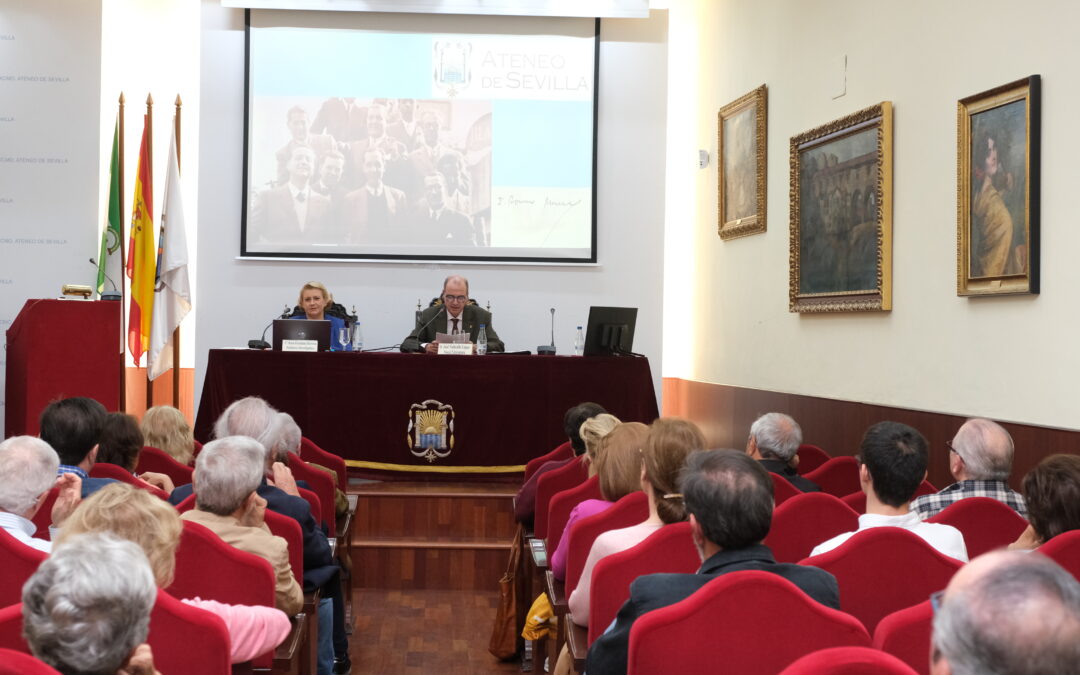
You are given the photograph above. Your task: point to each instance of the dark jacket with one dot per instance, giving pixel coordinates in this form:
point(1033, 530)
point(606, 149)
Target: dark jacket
point(784, 469)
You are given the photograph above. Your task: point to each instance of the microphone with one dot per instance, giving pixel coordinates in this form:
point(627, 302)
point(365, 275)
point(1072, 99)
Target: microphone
point(416, 333)
point(262, 343)
point(107, 295)
point(549, 350)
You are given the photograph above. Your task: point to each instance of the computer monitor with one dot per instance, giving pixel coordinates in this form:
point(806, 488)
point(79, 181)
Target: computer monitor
point(610, 331)
point(302, 329)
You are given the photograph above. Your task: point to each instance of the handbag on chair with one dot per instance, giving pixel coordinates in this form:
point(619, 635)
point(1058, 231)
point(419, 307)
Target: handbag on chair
point(504, 634)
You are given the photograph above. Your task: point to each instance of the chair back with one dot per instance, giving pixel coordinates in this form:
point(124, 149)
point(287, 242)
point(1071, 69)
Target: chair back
point(187, 504)
point(849, 661)
point(810, 458)
point(159, 461)
point(806, 520)
point(563, 503)
point(1064, 549)
point(322, 484)
point(11, 635)
point(289, 530)
point(857, 500)
point(985, 523)
point(186, 639)
point(196, 448)
point(906, 635)
point(884, 569)
point(315, 504)
point(564, 451)
point(43, 518)
point(17, 563)
point(669, 639)
point(18, 663)
point(630, 510)
point(669, 549)
point(839, 476)
point(106, 470)
point(551, 484)
point(310, 452)
point(783, 490)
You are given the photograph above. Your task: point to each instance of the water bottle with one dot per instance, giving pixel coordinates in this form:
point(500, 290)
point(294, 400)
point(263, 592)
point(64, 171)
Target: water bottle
point(357, 338)
point(481, 341)
point(579, 343)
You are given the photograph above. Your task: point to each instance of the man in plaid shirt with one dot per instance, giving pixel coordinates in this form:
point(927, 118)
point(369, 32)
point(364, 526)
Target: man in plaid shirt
point(980, 459)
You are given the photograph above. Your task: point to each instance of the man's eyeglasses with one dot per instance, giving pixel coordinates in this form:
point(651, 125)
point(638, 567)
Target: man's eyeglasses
point(949, 445)
point(455, 298)
point(935, 600)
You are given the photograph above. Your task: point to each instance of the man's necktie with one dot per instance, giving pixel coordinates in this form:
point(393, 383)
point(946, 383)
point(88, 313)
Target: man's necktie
point(300, 197)
point(455, 325)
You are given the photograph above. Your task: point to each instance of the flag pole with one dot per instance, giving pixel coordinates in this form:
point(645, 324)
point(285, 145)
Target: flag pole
point(176, 331)
point(149, 402)
point(123, 245)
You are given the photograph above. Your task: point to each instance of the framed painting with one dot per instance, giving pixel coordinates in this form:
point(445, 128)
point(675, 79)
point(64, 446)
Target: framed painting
point(741, 147)
point(997, 190)
point(841, 215)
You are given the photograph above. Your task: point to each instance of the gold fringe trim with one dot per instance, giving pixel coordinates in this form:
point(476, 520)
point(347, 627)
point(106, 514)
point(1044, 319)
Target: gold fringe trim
point(434, 469)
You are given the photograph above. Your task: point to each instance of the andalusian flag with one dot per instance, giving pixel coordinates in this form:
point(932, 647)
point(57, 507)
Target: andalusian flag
point(109, 257)
point(142, 253)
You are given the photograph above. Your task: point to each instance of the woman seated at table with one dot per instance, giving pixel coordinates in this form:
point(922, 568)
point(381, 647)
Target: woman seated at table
point(314, 299)
point(165, 428)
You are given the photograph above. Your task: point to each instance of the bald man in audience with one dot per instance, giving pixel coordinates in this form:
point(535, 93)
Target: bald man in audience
point(27, 473)
point(980, 459)
point(774, 441)
point(1007, 613)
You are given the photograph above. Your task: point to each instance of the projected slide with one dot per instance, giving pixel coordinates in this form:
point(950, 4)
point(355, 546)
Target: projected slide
point(406, 144)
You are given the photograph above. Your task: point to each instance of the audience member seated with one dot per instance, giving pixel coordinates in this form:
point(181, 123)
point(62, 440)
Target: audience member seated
point(120, 444)
point(1007, 613)
point(525, 502)
point(618, 467)
point(87, 608)
point(227, 473)
point(892, 464)
point(1052, 494)
point(980, 459)
point(72, 427)
point(139, 517)
point(729, 498)
point(774, 441)
point(165, 428)
point(290, 441)
point(27, 473)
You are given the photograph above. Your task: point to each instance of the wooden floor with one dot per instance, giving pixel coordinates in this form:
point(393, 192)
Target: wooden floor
point(424, 631)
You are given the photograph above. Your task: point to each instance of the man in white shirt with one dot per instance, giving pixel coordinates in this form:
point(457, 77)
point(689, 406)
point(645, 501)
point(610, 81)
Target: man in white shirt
point(892, 464)
point(28, 470)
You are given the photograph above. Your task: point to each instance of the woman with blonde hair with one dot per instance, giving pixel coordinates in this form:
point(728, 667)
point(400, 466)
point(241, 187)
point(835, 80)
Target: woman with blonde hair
point(138, 516)
point(165, 428)
point(314, 299)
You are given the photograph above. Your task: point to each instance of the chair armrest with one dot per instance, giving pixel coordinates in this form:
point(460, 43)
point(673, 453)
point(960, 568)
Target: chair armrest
point(287, 656)
point(556, 592)
point(577, 642)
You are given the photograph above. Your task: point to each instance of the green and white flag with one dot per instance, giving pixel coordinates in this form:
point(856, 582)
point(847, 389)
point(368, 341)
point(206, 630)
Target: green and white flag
point(109, 256)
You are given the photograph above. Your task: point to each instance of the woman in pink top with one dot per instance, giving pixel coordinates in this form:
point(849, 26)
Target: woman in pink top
point(138, 516)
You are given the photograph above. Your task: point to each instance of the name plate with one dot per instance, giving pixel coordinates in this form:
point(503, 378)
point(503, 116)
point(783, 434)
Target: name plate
point(299, 345)
point(455, 348)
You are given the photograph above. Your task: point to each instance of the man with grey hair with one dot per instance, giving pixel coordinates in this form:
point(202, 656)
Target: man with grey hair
point(1007, 613)
point(87, 607)
point(27, 473)
point(774, 441)
point(228, 472)
point(980, 459)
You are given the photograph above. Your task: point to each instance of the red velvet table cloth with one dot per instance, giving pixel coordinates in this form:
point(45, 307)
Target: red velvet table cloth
point(506, 409)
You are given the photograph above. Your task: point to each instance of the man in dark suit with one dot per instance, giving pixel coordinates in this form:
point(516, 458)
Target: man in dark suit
point(774, 441)
point(729, 498)
point(375, 213)
point(435, 223)
point(292, 213)
point(454, 315)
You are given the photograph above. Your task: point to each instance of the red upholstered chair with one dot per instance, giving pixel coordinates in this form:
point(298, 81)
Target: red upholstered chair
point(849, 661)
point(11, 636)
point(783, 490)
point(906, 635)
point(310, 452)
point(322, 484)
point(18, 663)
point(670, 639)
point(187, 639)
point(810, 458)
point(839, 476)
point(985, 523)
point(17, 562)
point(630, 510)
point(187, 504)
point(1064, 549)
point(106, 470)
point(289, 530)
point(857, 499)
point(884, 569)
point(806, 520)
point(564, 451)
point(314, 503)
point(669, 549)
point(43, 518)
point(563, 503)
point(551, 484)
point(196, 448)
point(159, 461)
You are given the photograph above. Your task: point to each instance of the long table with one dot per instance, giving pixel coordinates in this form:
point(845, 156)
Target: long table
point(423, 417)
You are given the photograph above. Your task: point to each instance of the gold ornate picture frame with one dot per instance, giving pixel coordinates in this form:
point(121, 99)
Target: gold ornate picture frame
point(742, 165)
point(841, 214)
point(997, 190)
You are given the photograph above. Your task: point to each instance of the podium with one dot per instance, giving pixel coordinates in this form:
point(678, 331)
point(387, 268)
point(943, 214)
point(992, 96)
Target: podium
point(58, 349)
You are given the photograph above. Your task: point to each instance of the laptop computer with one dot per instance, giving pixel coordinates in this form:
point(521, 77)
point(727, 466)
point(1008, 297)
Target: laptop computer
point(302, 329)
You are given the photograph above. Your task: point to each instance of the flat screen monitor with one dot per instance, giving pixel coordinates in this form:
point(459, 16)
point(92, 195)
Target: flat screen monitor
point(302, 329)
point(610, 331)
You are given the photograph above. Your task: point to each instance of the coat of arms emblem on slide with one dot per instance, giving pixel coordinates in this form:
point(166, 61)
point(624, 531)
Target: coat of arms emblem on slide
point(431, 430)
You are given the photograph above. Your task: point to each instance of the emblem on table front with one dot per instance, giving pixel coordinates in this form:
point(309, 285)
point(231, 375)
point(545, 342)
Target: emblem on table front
point(431, 430)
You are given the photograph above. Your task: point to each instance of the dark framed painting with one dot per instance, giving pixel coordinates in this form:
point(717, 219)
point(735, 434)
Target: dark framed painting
point(841, 214)
point(741, 173)
point(997, 190)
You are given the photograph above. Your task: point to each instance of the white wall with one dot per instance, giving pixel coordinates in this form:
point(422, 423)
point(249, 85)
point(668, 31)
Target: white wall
point(1009, 358)
point(237, 298)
